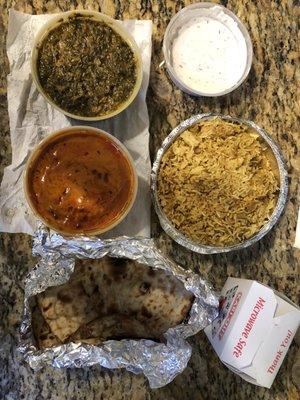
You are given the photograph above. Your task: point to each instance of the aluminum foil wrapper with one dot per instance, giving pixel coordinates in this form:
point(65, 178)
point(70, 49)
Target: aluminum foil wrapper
point(160, 362)
point(184, 240)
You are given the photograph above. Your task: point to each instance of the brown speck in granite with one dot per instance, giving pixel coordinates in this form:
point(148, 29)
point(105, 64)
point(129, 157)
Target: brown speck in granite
point(269, 97)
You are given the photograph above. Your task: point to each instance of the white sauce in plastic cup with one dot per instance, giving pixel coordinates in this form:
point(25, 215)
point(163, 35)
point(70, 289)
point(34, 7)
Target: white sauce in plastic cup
point(208, 51)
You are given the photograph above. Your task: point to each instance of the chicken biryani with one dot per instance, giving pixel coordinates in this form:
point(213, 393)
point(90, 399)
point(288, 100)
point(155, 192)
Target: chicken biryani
point(218, 183)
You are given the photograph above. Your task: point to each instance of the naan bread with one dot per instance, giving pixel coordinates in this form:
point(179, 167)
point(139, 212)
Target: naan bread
point(157, 299)
point(119, 296)
point(42, 332)
point(67, 307)
point(115, 327)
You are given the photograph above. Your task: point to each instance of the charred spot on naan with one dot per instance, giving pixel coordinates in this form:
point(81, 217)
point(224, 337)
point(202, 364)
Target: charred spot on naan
point(64, 297)
point(146, 313)
point(118, 268)
point(144, 287)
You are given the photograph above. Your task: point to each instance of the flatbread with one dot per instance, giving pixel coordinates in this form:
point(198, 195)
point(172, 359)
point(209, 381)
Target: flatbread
point(42, 332)
point(115, 327)
point(152, 296)
point(119, 294)
point(67, 307)
point(155, 298)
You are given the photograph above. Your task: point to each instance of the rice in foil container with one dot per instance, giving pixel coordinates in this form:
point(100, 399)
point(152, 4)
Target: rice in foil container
point(178, 236)
point(159, 362)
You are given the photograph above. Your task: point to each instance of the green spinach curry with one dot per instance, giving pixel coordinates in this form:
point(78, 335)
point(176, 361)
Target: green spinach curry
point(86, 68)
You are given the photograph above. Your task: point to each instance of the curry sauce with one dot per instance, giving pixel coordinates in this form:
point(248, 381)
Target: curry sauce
point(80, 182)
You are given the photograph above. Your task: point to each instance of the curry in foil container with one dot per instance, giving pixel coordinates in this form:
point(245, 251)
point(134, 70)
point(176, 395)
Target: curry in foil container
point(109, 298)
point(218, 183)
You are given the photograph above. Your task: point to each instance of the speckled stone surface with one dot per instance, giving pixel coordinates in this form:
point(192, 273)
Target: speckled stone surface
point(270, 97)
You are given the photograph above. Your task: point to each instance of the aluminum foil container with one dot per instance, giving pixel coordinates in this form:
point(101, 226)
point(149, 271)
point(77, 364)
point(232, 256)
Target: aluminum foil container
point(160, 362)
point(166, 223)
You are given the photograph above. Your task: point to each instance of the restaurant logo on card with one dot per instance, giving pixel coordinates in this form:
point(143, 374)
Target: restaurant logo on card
point(228, 306)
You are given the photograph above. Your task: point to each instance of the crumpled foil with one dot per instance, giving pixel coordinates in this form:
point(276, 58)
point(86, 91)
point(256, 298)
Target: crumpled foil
point(160, 362)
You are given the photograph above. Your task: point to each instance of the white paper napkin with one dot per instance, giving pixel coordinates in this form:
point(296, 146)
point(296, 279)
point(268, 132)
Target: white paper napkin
point(31, 118)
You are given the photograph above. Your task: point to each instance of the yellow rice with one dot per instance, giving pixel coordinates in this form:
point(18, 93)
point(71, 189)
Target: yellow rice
point(218, 183)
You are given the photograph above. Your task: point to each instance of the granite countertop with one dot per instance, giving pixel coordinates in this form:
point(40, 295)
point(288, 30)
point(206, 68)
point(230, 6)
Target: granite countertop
point(268, 97)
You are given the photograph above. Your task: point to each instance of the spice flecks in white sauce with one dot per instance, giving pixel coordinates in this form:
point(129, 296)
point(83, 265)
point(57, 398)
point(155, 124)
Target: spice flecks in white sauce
point(210, 54)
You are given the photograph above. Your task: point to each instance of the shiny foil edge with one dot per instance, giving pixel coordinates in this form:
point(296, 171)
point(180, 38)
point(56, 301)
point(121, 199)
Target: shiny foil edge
point(167, 225)
point(159, 362)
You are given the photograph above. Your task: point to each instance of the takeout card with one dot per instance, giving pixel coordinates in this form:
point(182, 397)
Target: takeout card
point(254, 330)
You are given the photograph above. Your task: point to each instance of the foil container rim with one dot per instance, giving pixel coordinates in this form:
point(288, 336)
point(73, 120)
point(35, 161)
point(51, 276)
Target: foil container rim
point(166, 223)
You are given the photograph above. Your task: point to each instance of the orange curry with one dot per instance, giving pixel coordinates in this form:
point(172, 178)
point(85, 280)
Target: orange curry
point(80, 182)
